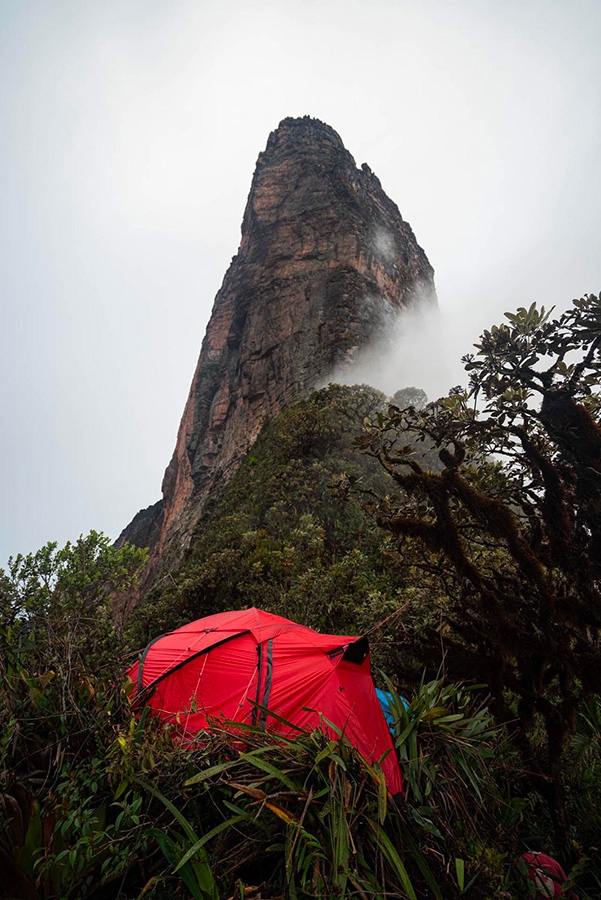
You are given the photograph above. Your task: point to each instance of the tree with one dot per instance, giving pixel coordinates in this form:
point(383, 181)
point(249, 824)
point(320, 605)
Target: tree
point(410, 396)
point(61, 668)
point(510, 524)
point(58, 638)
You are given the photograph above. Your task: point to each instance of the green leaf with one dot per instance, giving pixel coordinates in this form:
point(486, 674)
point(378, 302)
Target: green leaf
point(389, 851)
point(460, 872)
point(223, 826)
point(268, 767)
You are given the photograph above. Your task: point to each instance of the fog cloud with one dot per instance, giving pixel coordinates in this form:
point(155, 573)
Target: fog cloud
point(409, 351)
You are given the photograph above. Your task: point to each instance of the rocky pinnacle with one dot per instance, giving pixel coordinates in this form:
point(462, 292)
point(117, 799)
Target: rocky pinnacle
point(325, 261)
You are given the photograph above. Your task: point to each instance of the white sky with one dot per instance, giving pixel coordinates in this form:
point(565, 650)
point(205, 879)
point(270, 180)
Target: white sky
point(129, 131)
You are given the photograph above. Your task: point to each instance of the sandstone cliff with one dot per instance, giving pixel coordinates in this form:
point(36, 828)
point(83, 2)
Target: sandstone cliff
point(325, 261)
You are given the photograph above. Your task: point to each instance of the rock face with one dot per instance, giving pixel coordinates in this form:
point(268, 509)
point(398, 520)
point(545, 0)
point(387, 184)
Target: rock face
point(324, 262)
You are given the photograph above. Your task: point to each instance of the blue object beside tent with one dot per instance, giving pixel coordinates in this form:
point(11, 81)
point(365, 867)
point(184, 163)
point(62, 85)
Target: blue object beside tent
point(386, 702)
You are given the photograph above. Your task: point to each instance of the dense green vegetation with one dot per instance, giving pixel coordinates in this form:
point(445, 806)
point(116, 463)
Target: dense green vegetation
point(463, 535)
point(279, 537)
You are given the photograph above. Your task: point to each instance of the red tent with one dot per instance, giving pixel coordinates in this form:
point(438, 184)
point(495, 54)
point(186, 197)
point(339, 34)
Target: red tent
point(237, 665)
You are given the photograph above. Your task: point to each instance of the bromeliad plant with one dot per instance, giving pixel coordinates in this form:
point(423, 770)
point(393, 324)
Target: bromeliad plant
point(454, 759)
point(314, 815)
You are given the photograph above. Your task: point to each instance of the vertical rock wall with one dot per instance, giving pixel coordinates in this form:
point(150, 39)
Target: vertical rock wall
point(325, 260)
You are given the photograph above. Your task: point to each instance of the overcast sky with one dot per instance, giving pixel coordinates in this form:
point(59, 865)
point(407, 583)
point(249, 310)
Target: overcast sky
point(129, 131)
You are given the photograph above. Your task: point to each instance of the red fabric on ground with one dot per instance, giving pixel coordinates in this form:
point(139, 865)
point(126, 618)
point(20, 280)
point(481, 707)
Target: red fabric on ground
point(547, 875)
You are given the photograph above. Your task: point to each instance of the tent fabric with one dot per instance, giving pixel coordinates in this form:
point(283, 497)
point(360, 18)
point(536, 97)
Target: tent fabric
point(240, 666)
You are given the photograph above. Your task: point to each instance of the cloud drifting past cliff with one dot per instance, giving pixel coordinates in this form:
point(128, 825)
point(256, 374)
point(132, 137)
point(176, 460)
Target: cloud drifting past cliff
point(411, 351)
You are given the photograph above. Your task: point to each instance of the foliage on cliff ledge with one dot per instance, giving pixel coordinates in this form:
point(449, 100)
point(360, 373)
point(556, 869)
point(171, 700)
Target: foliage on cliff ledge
point(280, 538)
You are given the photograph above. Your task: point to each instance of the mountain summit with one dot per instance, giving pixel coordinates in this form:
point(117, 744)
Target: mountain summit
point(325, 262)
